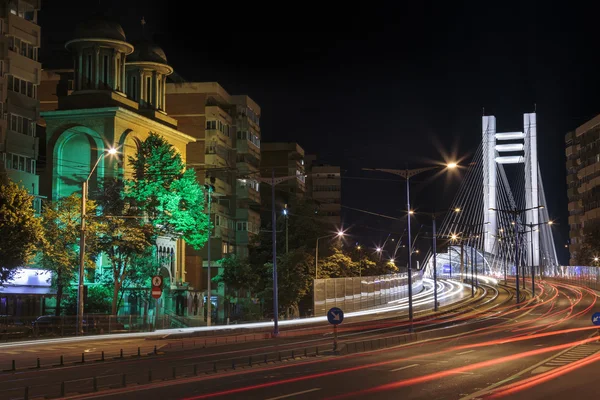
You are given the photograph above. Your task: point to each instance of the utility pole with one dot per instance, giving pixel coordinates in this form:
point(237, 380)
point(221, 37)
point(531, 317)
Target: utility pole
point(435, 293)
point(210, 189)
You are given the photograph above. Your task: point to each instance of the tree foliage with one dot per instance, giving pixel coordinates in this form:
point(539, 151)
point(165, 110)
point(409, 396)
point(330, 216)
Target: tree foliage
point(168, 192)
point(122, 236)
point(20, 229)
point(61, 227)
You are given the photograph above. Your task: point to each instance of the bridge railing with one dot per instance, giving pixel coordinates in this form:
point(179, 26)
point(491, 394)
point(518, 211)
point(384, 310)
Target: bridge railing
point(361, 293)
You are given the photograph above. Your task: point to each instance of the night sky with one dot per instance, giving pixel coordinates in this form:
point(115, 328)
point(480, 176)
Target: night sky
point(380, 87)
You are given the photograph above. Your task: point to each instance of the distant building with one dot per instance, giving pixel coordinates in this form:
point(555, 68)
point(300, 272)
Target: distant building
point(20, 74)
point(583, 180)
point(283, 159)
point(227, 154)
point(323, 183)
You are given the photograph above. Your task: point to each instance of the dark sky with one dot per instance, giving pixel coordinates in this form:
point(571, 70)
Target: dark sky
point(381, 86)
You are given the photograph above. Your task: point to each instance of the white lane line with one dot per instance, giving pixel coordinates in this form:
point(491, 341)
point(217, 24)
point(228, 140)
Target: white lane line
point(405, 367)
point(465, 352)
point(293, 394)
point(462, 373)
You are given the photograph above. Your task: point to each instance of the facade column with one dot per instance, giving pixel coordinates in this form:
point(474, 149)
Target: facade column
point(164, 93)
point(154, 92)
point(123, 70)
point(79, 69)
point(115, 84)
point(142, 86)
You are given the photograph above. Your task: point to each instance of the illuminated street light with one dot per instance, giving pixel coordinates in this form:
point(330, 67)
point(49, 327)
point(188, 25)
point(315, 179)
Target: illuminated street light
point(457, 209)
point(339, 234)
point(378, 249)
point(452, 165)
point(84, 193)
point(411, 212)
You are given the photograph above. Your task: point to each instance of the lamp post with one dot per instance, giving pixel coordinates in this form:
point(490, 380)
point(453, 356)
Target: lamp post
point(210, 189)
point(338, 234)
point(285, 213)
point(274, 181)
point(515, 214)
point(407, 174)
point(80, 289)
point(531, 226)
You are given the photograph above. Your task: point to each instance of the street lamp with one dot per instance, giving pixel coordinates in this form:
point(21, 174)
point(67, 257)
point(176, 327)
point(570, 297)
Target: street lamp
point(531, 226)
point(339, 234)
point(210, 189)
point(84, 190)
point(407, 174)
point(515, 213)
point(275, 181)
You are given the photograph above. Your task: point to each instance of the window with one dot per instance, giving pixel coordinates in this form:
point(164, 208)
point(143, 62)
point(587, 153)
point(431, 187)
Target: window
point(22, 125)
point(22, 86)
point(217, 220)
point(20, 163)
point(89, 68)
point(211, 124)
point(242, 226)
point(148, 89)
point(300, 175)
point(134, 88)
point(105, 70)
point(1, 68)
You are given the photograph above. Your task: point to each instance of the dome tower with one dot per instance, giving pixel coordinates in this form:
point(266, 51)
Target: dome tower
point(99, 49)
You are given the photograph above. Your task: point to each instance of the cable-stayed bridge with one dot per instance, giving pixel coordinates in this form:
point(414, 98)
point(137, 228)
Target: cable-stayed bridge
point(499, 218)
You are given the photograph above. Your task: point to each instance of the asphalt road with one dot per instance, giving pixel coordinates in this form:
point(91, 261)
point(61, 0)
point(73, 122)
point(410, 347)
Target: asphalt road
point(543, 350)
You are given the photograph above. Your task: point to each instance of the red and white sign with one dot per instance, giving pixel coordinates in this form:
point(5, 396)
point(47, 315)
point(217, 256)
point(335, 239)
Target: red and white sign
point(157, 282)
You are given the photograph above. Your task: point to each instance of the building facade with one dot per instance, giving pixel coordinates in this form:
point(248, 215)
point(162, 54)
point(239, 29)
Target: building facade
point(226, 155)
point(114, 96)
point(583, 181)
point(20, 75)
point(283, 159)
point(324, 186)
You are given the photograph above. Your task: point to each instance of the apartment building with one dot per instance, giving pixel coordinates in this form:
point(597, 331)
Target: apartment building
point(20, 74)
point(283, 159)
point(324, 185)
point(583, 180)
point(226, 155)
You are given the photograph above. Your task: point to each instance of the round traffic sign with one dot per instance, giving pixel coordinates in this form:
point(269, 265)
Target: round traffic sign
point(157, 280)
point(335, 316)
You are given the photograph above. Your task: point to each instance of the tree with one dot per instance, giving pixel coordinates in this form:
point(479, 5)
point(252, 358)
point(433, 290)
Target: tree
point(295, 276)
point(337, 265)
point(122, 236)
point(20, 229)
point(167, 192)
point(61, 227)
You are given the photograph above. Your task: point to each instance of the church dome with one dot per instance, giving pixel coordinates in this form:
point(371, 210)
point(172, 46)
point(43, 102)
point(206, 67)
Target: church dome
point(145, 51)
point(99, 27)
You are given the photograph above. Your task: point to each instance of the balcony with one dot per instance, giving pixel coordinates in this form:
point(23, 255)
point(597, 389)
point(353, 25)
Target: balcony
point(246, 192)
point(222, 188)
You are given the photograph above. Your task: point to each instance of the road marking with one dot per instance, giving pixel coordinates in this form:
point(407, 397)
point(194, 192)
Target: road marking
point(405, 367)
point(293, 394)
point(465, 352)
point(462, 373)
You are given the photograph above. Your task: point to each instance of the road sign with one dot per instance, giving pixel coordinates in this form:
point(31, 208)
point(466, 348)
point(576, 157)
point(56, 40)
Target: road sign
point(335, 316)
point(157, 282)
point(596, 318)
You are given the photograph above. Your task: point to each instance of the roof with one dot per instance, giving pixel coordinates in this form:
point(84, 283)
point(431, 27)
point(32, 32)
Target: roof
point(99, 27)
point(147, 52)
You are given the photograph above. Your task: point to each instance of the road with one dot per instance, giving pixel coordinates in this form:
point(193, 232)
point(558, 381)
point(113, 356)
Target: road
point(201, 350)
point(546, 349)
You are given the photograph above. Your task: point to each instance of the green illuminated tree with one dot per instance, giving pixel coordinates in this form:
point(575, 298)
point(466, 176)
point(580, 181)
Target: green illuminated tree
point(167, 192)
point(61, 227)
point(20, 229)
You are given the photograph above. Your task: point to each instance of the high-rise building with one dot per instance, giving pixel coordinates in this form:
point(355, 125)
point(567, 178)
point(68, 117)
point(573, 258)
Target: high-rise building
point(20, 74)
point(283, 159)
point(583, 180)
point(323, 186)
point(227, 155)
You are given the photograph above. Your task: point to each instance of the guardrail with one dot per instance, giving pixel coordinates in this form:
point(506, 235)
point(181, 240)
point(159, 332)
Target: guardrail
point(158, 373)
